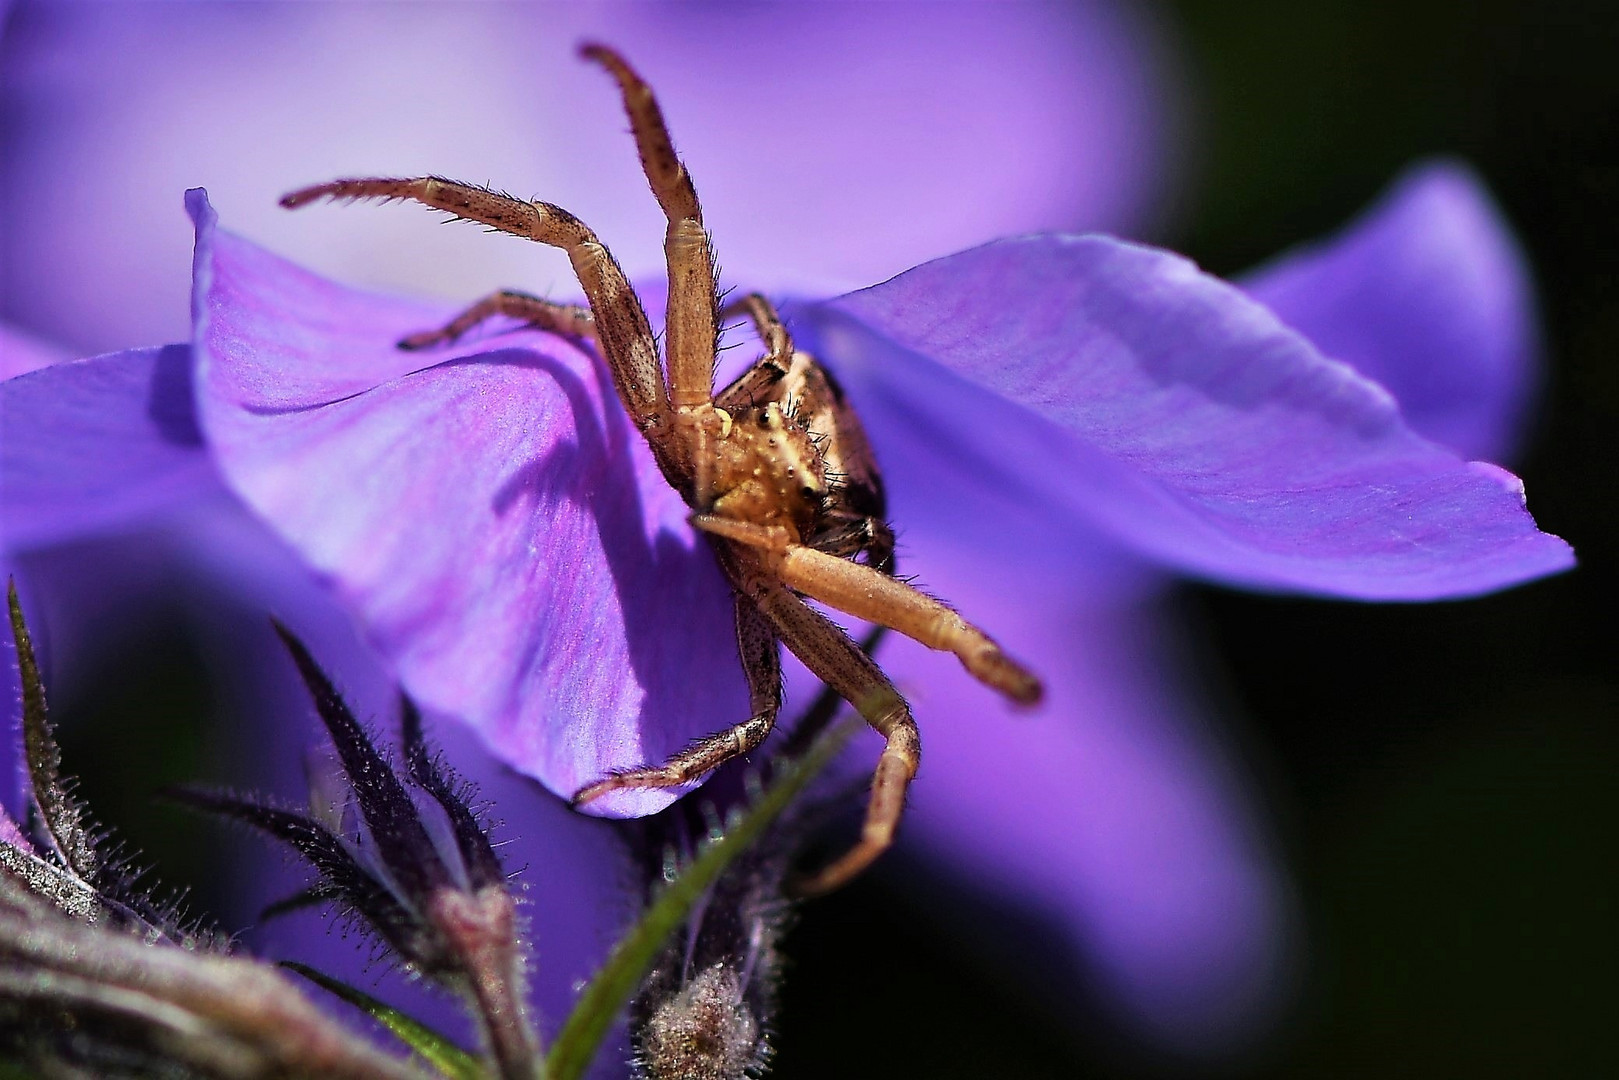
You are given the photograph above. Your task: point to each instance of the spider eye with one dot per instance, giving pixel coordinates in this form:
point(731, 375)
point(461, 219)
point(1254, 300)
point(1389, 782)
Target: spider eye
point(808, 492)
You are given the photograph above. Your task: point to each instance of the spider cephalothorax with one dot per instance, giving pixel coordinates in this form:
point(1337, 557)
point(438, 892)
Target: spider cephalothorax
point(792, 455)
point(776, 467)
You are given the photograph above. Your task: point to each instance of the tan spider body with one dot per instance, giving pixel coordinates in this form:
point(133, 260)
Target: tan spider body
point(776, 468)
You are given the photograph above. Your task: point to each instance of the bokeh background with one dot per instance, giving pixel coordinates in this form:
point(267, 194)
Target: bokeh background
point(1445, 778)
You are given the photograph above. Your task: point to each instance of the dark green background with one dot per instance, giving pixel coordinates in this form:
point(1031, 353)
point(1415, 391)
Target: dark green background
point(1447, 776)
point(1444, 775)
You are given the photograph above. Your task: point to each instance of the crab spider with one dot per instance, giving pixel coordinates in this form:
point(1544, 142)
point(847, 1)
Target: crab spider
point(775, 467)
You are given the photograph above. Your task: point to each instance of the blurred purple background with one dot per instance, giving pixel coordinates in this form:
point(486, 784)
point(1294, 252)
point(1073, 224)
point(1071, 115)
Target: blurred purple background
point(833, 145)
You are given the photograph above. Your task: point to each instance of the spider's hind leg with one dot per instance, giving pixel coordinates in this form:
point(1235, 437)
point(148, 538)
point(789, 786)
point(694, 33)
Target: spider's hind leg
point(838, 662)
point(571, 321)
point(761, 663)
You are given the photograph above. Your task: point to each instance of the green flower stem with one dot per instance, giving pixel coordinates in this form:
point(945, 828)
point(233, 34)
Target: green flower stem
point(434, 1048)
point(636, 951)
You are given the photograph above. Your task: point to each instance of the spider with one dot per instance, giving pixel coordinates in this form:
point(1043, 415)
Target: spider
point(775, 467)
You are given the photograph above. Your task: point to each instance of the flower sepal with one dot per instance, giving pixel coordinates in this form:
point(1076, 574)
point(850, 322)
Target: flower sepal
point(412, 864)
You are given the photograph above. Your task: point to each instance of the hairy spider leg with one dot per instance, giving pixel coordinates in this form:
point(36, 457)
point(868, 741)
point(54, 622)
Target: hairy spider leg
point(836, 660)
point(567, 320)
point(673, 407)
point(767, 324)
point(868, 594)
point(761, 381)
point(621, 325)
point(761, 663)
point(691, 324)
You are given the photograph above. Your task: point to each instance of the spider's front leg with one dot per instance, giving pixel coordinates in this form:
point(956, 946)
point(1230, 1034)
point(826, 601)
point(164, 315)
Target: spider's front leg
point(566, 320)
point(691, 325)
point(691, 321)
point(761, 663)
point(618, 319)
point(866, 593)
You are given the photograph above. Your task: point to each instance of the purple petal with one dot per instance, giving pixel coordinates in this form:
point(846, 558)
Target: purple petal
point(488, 512)
point(824, 162)
point(98, 444)
point(1429, 294)
point(1129, 390)
point(1108, 817)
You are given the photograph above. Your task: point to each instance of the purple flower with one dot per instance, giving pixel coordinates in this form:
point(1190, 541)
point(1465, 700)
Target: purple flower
point(1223, 446)
point(1061, 421)
point(1113, 819)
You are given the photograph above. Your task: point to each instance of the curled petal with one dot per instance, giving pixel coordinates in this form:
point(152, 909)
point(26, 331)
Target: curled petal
point(488, 512)
point(1123, 388)
point(1428, 293)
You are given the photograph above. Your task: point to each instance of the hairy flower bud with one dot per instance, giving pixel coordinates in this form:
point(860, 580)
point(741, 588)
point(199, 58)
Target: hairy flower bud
point(705, 1010)
point(416, 869)
point(705, 1031)
point(99, 979)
